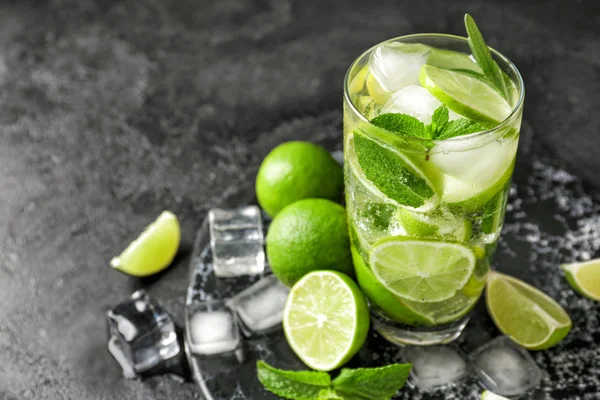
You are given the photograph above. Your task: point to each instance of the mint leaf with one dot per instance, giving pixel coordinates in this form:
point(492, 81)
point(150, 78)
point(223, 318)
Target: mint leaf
point(483, 56)
point(391, 172)
point(438, 121)
point(297, 385)
point(371, 383)
point(401, 123)
point(459, 127)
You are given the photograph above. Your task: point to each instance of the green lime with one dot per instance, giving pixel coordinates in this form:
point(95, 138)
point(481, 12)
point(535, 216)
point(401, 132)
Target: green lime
point(309, 235)
point(584, 277)
point(153, 250)
point(449, 59)
point(424, 271)
point(465, 95)
point(294, 171)
point(326, 319)
point(525, 314)
point(436, 224)
point(392, 173)
point(487, 395)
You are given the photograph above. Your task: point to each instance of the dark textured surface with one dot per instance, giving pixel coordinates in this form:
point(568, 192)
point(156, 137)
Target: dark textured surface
point(115, 110)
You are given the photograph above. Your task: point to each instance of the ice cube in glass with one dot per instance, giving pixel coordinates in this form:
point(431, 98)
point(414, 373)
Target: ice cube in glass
point(397, 65)
point(506, 368)
point(142, 333)
point(433, 366)
point(211, 328)
point(237, 241)
point(259, 308)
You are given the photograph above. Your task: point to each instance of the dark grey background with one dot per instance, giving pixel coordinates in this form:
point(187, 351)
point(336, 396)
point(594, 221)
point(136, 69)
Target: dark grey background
point(112, 111)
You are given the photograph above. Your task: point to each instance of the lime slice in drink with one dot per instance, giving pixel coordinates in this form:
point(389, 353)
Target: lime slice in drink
point(487, 395)
point(423, 271)
point(326, 319)
point(584, 277)
point(392, 173)
point(153, 250)
point(525, 314)
point(493, 213)
point(465, 95)
point(358, 82)
point(449, 59)
point(379, 94)
point(440, 224)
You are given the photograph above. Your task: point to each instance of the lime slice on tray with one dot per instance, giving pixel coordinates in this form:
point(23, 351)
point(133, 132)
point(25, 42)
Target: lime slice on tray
point(465, 95)
point(525, 314)
point(584, 277)
point(326, 319)
point(392, 173)
point(487, 395)
point(153, 250)
point(440, 224)
point(423, 271)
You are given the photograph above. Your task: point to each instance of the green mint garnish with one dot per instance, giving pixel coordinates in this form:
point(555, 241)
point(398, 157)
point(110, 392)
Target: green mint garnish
point(483, 56)
point(352, 384)
point(439, 129)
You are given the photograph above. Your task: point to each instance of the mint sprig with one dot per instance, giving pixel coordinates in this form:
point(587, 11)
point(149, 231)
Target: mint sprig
point(351, 384)
point(483, 56)
point(441, 128)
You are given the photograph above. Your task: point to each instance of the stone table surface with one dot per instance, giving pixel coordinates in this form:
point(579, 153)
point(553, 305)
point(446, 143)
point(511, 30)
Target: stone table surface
point(112, 111)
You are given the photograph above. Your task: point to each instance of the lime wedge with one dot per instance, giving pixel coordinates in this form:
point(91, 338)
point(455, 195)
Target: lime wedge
point(379, 94)
point(584, 277)
point(423, 271)
point(436, 224)
point(392, 173)
point(465, 95)
point(525, 314)
point(487, 395)
point(326, 319)
point(153, 250)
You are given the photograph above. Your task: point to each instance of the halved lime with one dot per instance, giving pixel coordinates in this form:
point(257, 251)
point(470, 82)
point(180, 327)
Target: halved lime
point(466, 95)
point(439, 223)
point(153, 250)
point(584, 277)
point(423, 270)
point(392, 173)
point(487, 395)
point(326, 319)
point(525, 314)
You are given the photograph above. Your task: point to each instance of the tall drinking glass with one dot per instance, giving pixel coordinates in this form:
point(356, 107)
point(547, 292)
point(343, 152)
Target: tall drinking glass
point(425, 215)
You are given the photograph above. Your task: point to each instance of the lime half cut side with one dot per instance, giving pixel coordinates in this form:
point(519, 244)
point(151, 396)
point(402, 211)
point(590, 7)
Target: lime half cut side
point(525, 314)
point(465, 95)
point(326, 319)
point(584, 277)
point(423, 271)
point(153, 250)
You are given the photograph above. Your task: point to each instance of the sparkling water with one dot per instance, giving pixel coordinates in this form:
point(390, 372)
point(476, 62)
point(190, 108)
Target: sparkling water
point(259, 308)
point(506, 368)
point(433, 366)
point(237, 241)
point(211, 328)
point(142, 334)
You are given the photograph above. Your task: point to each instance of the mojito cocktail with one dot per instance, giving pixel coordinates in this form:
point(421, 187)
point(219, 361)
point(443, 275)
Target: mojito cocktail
point(430, 140)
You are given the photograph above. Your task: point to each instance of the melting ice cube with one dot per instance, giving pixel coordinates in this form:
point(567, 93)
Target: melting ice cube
point(212, 328)
point(142, 335)
point(435, 365)
point(259, 308)
point(415, 101)
point(236, 240)
point(397, 65)
point(506, 368)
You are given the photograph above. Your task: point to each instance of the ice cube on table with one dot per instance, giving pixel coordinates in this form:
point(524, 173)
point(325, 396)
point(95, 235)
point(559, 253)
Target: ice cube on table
point(142, 334)
point(397, 65)
point(259, 308)
point(434, 366)
point(415, 101)
point(212, 328)
point(506, 368)
point(237, 241)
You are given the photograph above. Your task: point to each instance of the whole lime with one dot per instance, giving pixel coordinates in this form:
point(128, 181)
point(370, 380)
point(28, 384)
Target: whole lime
point(306, 236)
point(294, 171)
